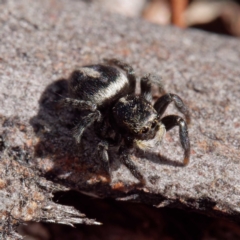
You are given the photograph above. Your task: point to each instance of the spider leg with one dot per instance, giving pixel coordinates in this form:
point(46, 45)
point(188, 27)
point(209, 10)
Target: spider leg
point(129, 71)
point(103, 151)
point(127, 161)
point(103, 154)
point(101, 129)
point(77, 104)
point(162, 103)
point(172, 121)
point(146, 86)
point(85, 122)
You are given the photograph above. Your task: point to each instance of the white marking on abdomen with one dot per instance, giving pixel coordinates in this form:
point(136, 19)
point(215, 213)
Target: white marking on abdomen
point(112, 89)
point(90, 72)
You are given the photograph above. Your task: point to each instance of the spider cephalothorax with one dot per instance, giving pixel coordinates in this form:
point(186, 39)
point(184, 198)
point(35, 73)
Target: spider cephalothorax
point(106, 93)
point(136, 117)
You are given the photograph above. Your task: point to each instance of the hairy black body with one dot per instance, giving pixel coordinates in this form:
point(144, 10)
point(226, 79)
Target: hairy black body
point(106, 93)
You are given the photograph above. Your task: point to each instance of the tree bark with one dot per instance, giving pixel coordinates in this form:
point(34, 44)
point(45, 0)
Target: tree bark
point(42, 42)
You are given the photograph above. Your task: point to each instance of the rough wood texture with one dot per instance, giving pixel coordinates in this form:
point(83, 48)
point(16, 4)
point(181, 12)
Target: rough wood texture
point(25, 196)
point(41, 42)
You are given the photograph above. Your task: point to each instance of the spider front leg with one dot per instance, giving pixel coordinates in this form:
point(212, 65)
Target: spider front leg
point(129, 71)
point(172, 121)
point(101, 130)
point(146, 86)
point(162, 103)
point(103, 155)
point(125, 157)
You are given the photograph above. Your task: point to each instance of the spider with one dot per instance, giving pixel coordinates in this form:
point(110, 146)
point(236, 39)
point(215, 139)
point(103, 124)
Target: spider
point(105, 93)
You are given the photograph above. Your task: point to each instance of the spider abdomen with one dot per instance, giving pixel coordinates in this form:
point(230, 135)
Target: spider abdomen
point(99, 84)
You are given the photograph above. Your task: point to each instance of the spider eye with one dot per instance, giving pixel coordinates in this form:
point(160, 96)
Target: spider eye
point(154, 124)
point(145, 130)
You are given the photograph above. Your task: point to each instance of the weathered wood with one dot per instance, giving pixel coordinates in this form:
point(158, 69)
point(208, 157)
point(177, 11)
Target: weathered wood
point(43, 41)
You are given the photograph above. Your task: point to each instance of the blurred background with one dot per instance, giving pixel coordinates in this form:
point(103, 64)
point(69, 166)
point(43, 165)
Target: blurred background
point(218, 16)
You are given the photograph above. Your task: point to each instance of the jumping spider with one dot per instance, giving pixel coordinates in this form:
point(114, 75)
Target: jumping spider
point(106, 94)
